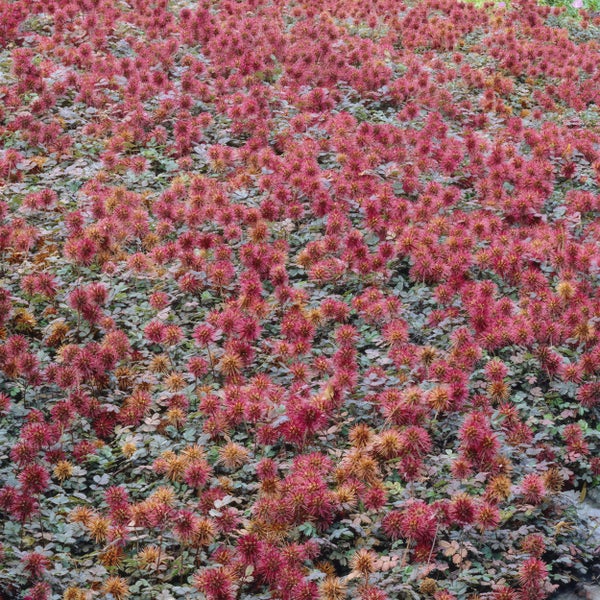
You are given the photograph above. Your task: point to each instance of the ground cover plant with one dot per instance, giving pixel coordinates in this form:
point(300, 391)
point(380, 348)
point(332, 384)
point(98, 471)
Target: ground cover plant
point(298, 300)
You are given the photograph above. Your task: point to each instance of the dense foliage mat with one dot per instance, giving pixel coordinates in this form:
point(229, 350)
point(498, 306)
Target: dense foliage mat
point(298, 299)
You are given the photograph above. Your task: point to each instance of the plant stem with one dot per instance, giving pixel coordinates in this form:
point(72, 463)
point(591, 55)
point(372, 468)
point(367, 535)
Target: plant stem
point(433, 543)
point(405, 555)
point(159, 558)
point(210, 358)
